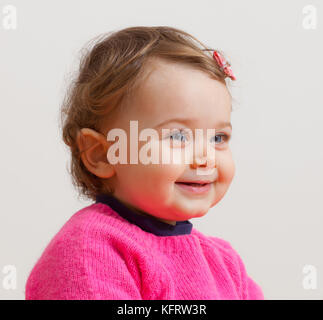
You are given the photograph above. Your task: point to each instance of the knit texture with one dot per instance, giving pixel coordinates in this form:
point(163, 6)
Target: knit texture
point(98, 254)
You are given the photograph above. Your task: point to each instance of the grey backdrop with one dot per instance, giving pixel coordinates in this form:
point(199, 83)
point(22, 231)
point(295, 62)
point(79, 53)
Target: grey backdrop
point(272, 213)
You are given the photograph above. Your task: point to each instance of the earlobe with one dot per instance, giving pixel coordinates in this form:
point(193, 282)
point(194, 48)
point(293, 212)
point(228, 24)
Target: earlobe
point(93, 148)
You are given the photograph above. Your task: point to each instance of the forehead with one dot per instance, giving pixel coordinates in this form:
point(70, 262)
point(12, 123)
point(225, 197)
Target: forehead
point(173, 90)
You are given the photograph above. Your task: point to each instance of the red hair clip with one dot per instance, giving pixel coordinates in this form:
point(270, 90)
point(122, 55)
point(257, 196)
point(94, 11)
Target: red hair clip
point(224, 65)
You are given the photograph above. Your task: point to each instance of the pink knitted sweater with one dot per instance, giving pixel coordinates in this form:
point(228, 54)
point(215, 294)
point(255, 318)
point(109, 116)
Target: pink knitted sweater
point(98, 254)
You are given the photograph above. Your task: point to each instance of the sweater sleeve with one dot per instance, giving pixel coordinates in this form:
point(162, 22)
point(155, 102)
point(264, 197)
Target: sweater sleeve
point(116, 278)
point(254, 290)
point(250, 289)
point(71, 269)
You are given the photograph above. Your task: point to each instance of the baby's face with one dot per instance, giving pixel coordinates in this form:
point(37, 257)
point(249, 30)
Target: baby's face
point(175, 91)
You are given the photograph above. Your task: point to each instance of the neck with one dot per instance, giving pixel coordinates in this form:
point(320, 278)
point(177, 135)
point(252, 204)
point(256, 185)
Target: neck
point(142, 213)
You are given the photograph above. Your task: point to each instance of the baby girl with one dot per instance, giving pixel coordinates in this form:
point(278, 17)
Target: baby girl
point(136, 240)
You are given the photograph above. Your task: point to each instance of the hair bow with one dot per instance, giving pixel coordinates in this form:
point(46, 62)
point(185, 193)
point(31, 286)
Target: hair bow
point(224, 65)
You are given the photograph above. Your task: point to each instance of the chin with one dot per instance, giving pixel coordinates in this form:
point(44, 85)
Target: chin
point(197, 214)
point(201, 214)
point(188, 212)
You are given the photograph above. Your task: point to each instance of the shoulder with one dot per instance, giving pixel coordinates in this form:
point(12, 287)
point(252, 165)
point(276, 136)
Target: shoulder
point(223, 246)
point(81, 245)
point(93, 220)
point(87, 229)
point(223, 251)
point(96, 222)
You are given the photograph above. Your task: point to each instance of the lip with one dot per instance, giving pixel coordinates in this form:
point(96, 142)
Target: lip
point(196, 181)
point(194, 189)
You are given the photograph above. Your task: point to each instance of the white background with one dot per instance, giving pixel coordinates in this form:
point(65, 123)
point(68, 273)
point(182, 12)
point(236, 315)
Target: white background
point(272, 213)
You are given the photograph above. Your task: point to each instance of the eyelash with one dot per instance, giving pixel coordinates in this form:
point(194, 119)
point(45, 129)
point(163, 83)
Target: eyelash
point(226, 137)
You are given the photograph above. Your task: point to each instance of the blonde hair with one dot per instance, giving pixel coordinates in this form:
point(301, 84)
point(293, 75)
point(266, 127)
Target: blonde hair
point(108, 74)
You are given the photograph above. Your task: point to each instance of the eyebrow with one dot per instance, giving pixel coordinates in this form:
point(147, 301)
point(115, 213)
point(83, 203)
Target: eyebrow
point(220, 124)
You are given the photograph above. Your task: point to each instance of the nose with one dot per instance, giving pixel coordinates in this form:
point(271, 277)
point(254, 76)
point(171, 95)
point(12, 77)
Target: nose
point(204, 155)
point(199, 162)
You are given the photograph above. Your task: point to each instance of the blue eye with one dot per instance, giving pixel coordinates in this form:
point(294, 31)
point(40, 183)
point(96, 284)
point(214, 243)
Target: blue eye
point(177, 134)
point(225, 137)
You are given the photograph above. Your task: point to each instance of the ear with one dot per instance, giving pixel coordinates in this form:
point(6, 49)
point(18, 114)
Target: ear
point(94, 147)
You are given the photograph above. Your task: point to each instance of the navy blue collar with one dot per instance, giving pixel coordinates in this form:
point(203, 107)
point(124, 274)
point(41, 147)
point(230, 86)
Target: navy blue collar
point(147, 223)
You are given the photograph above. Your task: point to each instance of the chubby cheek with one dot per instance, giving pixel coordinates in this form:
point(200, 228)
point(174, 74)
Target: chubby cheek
point(227, 170)
point(160, 178)
point(226, 174)
point(151, 180)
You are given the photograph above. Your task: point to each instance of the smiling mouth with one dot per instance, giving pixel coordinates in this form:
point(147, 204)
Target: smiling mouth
point(193, 184)
point(194, 187)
